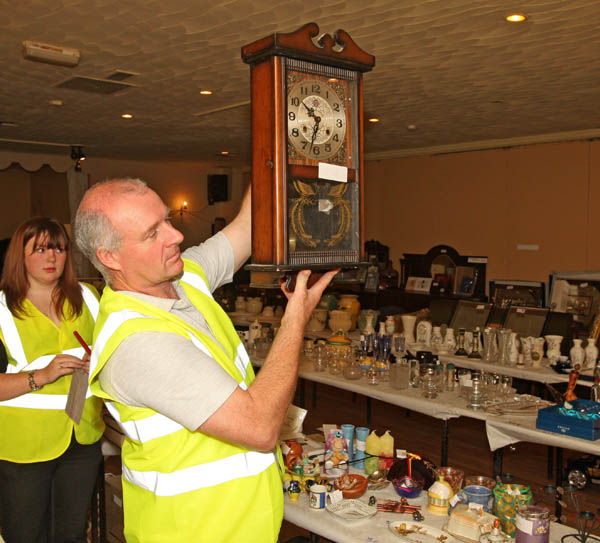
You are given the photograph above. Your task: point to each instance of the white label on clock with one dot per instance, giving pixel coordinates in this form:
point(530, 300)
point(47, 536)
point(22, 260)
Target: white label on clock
point(333, 172)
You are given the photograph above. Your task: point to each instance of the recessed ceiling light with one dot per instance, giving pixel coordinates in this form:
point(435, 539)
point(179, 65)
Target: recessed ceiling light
point(206, 92)
point(333, 80)
point(8, 124)
point(373, 119)
point(127, 116)
point(515, 18)
point(224, 152)
point(411, 127)
point(56, 102)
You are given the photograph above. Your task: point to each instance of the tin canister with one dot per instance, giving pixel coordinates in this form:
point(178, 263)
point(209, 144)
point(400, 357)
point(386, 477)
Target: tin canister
point(533, 524)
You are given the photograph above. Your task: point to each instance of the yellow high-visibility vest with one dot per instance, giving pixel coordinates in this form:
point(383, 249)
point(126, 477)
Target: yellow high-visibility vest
point(35, 427)
point(179, 485)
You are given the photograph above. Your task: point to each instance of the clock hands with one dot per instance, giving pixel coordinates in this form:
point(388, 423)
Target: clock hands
point(311, 113)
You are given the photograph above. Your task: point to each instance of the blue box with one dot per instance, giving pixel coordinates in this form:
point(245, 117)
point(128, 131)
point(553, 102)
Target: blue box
point(551, 420)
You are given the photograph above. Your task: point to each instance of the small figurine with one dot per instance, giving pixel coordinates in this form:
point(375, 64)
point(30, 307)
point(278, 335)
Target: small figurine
point(336, 452)
point(294, 491)
point(570, 394)
point(310, 466)
point(372, 500)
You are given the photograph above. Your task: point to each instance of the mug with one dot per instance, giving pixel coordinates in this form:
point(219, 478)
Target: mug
point(317, 496)
point(479, 494)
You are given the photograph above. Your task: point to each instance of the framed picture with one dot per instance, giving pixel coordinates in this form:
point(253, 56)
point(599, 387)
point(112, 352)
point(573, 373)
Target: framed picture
point(464, 281)
point(505, 293)
point(418, 284)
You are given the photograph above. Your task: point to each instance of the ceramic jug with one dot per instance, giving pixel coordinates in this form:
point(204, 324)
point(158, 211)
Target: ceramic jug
point(317, 321)
point(577, 354)
point(591, 353)
point(408, 328)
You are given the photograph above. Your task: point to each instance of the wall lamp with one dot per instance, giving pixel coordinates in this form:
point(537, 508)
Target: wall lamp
point(77, 155)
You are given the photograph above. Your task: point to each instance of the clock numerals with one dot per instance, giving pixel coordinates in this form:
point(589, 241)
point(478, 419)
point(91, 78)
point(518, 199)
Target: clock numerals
point(316, 119)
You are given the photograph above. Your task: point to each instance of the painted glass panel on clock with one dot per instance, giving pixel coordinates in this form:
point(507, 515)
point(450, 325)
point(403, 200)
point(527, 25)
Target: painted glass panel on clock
point(317, 119)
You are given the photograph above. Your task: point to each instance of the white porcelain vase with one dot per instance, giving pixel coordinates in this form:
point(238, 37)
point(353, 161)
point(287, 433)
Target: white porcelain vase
point(577, 354)
point(591, 353)
point(450, 341)
point(553, 343)
point(408, 328)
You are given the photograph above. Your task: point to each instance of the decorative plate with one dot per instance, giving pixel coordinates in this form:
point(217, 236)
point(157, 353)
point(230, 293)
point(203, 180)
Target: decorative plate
point(419, 533)
point(351, 510)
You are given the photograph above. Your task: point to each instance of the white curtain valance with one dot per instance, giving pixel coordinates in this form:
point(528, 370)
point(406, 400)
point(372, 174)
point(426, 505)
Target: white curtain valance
point(33, 162)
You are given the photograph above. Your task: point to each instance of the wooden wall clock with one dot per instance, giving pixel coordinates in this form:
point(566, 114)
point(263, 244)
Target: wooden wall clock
point(307, 152)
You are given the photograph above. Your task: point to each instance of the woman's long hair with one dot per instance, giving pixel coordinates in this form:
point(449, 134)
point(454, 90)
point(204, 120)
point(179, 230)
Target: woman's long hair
point(15, 283)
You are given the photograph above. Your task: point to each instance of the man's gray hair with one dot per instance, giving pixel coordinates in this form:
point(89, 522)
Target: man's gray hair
point(93, 229)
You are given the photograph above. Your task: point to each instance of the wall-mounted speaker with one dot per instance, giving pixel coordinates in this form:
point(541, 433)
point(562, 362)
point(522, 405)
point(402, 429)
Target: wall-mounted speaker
point(218, 187)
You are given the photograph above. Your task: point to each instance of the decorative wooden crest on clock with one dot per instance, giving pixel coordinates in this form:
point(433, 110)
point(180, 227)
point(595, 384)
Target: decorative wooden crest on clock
point(307, 152)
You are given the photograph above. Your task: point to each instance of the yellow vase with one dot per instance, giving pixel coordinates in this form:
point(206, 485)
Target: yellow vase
point(350, 303)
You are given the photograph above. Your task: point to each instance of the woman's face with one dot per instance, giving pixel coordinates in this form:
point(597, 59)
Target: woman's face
point(43, 264)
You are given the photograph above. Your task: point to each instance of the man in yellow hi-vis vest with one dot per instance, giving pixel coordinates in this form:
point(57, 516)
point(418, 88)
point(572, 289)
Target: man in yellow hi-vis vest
point(200, 454)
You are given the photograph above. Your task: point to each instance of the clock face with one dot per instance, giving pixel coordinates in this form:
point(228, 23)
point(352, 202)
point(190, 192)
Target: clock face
point(316, 118)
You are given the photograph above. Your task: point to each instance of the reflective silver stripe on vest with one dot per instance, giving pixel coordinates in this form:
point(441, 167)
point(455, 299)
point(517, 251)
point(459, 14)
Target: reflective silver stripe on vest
point(242, 359)
point(239, 364)
point(145, 429)
point(202, 476)
point(11, 337)
point(37, 401)
point(113, 321)
point(197, 282)
point(41, 362)
point(91, 301)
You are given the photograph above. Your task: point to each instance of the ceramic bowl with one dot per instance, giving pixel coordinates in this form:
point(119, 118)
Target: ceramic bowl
point(352, 485)
point(408, 487)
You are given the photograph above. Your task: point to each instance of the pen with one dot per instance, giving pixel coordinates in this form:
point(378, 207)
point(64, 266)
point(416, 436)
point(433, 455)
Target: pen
point(83, 343)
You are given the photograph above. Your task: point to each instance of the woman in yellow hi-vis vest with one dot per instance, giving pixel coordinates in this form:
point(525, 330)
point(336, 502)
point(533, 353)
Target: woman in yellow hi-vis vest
point(45, 458)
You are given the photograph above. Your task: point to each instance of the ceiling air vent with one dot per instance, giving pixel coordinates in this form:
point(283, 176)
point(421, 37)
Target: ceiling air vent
point(94, 85)
point(121, 75)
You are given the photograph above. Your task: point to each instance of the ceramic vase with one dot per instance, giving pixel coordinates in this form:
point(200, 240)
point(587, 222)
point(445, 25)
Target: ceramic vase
point(390, 325)
point(553, 348)
point(340, 320)
point(537, 351)
point(350, 303)
point(591, 353)
point(436, 338)
point(361, 321)
point(240, 304)
point(254, 305)
point(513, 356)
point(424, 333)
point(450, 341)
point(577, 354)
point(526, 346)
point(408, 327)
point(317, 321)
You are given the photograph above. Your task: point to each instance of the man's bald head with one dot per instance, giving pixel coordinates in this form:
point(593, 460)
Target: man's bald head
point(93, 228)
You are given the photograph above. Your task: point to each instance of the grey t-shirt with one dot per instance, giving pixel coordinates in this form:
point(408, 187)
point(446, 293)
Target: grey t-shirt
point(164, 371)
